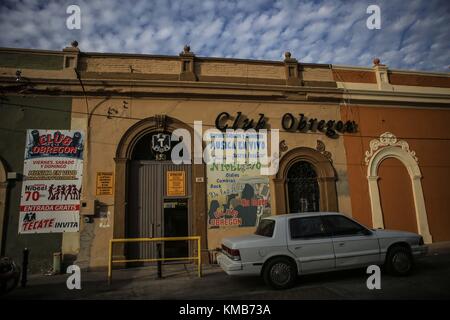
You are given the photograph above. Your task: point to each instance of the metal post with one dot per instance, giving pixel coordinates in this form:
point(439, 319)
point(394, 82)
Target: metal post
point(25, 267)
point(199, 258)
point(57, 263)
point(110, 262)
point(159, 263)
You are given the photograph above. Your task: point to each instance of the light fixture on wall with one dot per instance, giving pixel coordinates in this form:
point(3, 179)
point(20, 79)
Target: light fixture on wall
point(18, 75)
point(23, 84)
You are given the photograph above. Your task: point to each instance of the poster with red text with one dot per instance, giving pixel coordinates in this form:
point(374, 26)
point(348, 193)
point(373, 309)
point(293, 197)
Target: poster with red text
point(51, 188)
point(238, 195)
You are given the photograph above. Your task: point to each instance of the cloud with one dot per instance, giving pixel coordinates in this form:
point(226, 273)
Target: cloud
point(413, 35)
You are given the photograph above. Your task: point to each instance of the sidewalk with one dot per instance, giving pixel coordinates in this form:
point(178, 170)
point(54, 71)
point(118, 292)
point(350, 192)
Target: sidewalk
point(126, 283)
point(439, 248)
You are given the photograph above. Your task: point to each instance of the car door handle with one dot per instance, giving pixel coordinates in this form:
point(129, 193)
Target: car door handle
point(341, 244)
point(296, 248)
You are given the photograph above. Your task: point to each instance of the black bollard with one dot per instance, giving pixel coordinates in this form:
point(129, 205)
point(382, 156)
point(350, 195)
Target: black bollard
point(159, 263)
point(24, 267)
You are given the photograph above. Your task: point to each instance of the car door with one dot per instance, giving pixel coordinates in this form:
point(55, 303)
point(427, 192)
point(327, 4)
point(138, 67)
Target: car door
point(354, 245)
point(311, 244)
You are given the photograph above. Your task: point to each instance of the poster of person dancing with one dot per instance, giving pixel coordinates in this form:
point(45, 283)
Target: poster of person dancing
point(238, 195)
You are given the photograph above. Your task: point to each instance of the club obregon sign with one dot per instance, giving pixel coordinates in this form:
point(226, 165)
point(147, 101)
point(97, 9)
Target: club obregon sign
point(289, 122)
point(51, 189)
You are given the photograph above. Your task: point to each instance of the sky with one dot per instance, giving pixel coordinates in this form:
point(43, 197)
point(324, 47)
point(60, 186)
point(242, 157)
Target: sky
point(414, 35)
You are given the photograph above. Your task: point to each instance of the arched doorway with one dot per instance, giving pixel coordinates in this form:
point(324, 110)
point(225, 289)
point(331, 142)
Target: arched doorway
point(397, 201)
point(142, 201)
point(303, 188)
point(157, 208)
point(387, 146)
point(304, 164)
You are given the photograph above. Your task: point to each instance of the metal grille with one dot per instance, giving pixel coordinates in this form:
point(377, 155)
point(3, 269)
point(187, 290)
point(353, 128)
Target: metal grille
point(303, 188)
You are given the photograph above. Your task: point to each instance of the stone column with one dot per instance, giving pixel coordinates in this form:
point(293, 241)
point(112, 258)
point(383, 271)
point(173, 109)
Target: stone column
point(421, 212)
point(375, 203)
point(280, 197)
point(120, 204)
point(291, 70)
point(187, 72)
point(71, 58)
point(381, 74)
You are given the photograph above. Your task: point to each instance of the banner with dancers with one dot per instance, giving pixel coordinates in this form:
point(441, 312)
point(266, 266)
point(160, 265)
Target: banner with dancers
point(52, 183)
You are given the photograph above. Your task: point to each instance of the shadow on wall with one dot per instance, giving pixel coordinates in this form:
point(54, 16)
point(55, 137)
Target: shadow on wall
point(87, 235)
point(342, 184)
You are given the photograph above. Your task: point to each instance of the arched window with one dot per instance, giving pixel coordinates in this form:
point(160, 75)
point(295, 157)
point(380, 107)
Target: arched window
point(303, 188)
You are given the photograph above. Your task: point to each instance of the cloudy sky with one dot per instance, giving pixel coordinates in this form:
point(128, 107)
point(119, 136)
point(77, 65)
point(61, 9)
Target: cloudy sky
point(414, 34)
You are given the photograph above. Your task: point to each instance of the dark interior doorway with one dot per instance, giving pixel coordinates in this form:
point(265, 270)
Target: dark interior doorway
point(176, 225)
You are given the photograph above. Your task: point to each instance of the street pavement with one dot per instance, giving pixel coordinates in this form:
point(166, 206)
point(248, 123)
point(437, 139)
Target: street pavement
point(430, 280)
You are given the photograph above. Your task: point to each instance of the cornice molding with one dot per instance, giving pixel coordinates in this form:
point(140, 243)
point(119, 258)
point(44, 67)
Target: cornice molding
point(356, 92)
point(117, 87)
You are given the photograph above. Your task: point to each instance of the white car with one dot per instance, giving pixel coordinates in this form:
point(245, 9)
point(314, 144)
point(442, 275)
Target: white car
point(284, 246)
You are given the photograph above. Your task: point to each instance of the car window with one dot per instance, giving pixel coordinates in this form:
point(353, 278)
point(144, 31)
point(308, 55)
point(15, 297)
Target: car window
point(342, 226)
point(265, 228)
point(308, 227)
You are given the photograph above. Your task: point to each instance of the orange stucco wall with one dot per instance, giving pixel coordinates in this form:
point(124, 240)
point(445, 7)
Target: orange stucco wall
point(427, 131)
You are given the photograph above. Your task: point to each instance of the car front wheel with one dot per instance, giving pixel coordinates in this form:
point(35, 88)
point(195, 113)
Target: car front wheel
point(399, 261)
point(280, 273)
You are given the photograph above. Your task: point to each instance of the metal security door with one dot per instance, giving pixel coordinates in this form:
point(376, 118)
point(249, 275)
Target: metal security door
point(147, 192)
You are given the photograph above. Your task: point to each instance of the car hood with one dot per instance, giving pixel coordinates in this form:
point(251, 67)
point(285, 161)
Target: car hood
point(382, 234)
point(243, 241)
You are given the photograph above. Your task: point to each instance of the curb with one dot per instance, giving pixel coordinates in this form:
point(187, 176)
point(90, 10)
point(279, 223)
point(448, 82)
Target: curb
point(439, 247)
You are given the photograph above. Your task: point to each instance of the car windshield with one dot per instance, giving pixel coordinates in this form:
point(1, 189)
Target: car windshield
point(265, 228)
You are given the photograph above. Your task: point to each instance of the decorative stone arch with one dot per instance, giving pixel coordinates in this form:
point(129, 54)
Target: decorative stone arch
point(387, 146)
point(145, 126)
point(122, 160)
point(3, 195)
point(326, 178)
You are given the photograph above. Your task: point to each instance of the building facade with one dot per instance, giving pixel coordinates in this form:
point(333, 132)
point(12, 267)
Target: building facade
point(372, 143)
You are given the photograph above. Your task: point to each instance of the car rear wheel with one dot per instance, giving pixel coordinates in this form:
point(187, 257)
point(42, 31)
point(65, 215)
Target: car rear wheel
point(280, 273)
point(399, 261)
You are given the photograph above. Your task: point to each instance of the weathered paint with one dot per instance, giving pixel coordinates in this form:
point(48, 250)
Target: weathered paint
point(17, 115)
point(29, 61)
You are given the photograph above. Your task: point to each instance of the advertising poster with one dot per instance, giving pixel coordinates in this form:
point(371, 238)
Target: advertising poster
point(238, 195)
point(105, 184)
point(51, 188)
point(176, 184)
